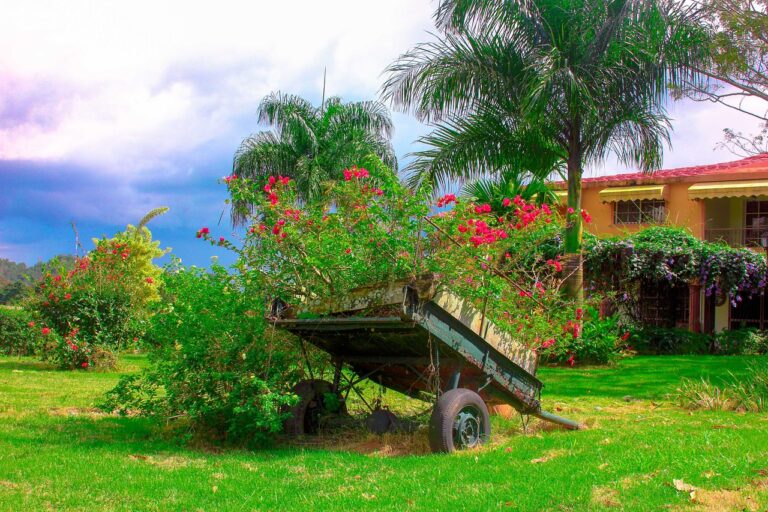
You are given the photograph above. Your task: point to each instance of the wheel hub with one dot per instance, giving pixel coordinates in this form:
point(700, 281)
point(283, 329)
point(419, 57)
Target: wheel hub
point(467, 429)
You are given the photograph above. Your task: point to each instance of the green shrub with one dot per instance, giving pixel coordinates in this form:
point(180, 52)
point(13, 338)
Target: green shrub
point(745, 394)
point(214, 361)
point(597, 341)
point(102, 301)
point(669, 341)
point(19, 334)
point(741, 341)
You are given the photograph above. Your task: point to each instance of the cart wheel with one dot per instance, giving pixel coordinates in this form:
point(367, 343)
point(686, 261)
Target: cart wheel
point(316, 400)
point(460, 421)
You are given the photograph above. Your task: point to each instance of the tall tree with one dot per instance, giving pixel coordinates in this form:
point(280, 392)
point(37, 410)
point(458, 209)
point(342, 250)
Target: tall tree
point(313, 144)
point(533, 84)
point(737, 67)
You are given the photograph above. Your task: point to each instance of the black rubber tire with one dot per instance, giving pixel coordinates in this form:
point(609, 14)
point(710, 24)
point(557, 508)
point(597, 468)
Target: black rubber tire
point(443, 437)
point(310, 393)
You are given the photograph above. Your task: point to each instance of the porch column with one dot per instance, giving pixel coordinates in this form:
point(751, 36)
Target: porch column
point(694, 307)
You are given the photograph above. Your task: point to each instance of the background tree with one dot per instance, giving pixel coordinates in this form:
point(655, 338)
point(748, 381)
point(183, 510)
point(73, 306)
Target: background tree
point(737, 67)
point(312, 144)
point(530, 85)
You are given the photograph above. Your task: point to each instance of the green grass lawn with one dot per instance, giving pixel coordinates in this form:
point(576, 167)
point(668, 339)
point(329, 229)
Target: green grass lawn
point(57, 453)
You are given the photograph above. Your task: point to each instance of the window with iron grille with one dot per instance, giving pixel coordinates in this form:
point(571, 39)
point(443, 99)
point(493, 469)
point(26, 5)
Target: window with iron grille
point(642, 211)
point(662, 305)
point(755, 222)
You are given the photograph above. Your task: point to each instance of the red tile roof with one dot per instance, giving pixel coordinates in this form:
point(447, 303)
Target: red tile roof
point(753, 167)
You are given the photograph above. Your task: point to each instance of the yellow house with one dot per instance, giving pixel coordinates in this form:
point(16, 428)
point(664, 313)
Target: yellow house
point(725, 202)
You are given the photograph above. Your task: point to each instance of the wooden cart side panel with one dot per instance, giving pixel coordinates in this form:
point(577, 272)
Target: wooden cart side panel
point(377, 295)
point(472, 318)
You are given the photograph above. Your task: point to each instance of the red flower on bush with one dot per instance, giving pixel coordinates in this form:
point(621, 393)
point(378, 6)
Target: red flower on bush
point(228, 179)
point(579, 313)
point(348, 251)
point(446, 200)
point(46, 331)
point(31, 324)
point(587, 217)
point(149, 280)
point(506, 202)
point(355, 172)
point(548, 343)
point(483, 208)
point(570, 210)
point(67, 296)
point(84, 364)
point(571, 361)
point(202, 231)
point(625, 336)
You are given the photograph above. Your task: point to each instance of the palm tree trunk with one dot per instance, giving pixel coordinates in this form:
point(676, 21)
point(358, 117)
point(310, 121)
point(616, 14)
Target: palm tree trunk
point(574, 275)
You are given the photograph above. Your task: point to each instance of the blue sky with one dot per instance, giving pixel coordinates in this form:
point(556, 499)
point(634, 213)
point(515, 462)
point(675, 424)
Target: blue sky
point(108, 110)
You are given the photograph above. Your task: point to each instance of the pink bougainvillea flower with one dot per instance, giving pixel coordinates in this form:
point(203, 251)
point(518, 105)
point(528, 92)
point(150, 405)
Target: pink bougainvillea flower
point(284, 179)
point(506, 202)
point(571, 360)
point(84, 364)
point(587, 217)
point(67, 296)
point(228, 179)
point(222, 240)
point(446, 200)
point(46, 331)
point(271, 181)
point(201, 232)
point(483, 208)
point(570, 210)
point(548, 343)
point(579, 313)
point(31, 324)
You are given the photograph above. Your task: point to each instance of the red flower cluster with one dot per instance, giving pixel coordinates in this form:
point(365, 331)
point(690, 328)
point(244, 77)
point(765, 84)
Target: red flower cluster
point(228, 179)
point(574, 328)
point(202, 231)
point(355, 172)
point(625, 336)
point(271, 182)
point(483, 208)
point(555, 264)
point(70, 339)
point(587, 217)
point(446, 200)
point(548, 343)
point(507, 202)
point(46, 331)
point(481, 232)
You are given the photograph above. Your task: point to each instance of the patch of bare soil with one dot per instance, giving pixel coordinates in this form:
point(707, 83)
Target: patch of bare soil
point(720, 500)
point(168, 461)
point(76, 411)
point(605, 497)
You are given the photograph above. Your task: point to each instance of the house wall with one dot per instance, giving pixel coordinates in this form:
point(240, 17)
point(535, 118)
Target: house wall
point(680, 211)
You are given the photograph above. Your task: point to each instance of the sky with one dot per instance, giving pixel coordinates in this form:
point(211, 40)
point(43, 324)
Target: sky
point(109, 109)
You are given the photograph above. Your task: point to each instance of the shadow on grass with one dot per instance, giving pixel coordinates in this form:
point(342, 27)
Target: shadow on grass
point(25, 364)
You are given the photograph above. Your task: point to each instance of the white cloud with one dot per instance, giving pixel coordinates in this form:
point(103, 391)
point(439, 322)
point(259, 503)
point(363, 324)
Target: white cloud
point(142, 81)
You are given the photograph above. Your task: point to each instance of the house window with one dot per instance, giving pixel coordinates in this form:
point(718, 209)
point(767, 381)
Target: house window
point(663, 305)
point(643, 211)
point(755, 222)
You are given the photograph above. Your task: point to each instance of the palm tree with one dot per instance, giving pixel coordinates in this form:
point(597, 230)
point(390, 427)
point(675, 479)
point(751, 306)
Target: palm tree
point(508, 184)
point(313, 144)
point(531, 85)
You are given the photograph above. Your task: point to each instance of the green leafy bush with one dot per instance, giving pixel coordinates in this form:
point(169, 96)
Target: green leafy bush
point(19, 335)
point(598, 342)
point(214, 361)
point(101, 302)
point(741, 341)
point(669, 341)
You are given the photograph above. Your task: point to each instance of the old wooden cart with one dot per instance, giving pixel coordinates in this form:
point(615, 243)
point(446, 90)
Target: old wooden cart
point(424, 341)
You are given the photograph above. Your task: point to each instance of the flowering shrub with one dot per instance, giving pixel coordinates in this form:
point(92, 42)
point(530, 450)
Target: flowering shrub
point(213, 360)
point(673, 255)
point(370, 229)
point(19, 335)
point(100, 302)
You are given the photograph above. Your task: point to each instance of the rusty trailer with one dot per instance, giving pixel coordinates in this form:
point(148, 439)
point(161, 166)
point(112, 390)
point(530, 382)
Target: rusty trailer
point(420, 339)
